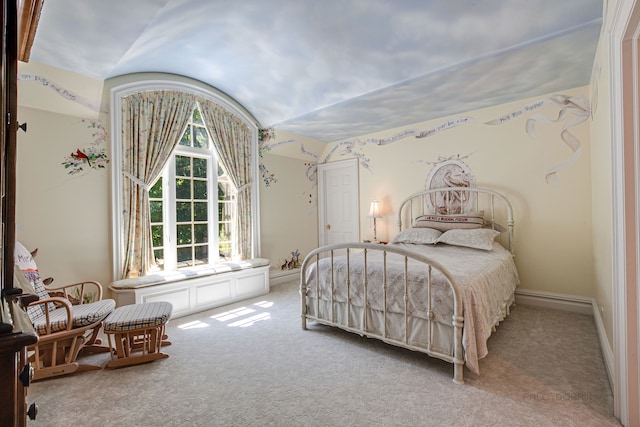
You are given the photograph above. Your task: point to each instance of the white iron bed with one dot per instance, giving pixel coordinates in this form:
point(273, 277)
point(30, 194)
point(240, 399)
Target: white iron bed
point(432, 290)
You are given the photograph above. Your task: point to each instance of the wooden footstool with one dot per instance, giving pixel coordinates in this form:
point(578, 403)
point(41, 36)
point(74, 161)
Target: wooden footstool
point(138, 332)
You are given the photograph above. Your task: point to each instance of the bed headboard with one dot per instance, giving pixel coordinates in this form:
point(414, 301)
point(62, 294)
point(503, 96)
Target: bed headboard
point(498, 213)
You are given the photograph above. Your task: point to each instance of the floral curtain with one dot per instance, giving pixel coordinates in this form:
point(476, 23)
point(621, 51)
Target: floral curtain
point(232, 140)
point(153, 123)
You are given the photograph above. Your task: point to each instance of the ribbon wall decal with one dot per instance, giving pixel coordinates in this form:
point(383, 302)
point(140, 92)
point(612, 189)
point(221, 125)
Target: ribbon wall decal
point(579, 107)
point(65, 93)
point(449, 124)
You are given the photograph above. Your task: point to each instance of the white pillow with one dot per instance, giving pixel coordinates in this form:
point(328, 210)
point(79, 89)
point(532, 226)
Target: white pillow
point(418, 236)
point(479, 238)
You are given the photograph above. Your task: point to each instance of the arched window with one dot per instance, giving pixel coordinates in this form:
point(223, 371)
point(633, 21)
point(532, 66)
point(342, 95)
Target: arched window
point(185, 186)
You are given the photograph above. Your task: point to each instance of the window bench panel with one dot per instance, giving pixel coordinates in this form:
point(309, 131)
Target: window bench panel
point(194, 290)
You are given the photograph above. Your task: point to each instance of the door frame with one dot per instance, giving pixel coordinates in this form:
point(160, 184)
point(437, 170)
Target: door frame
point(625, 140)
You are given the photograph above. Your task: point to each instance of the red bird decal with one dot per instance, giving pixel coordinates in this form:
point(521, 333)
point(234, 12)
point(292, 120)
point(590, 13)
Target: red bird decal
point(80, 155)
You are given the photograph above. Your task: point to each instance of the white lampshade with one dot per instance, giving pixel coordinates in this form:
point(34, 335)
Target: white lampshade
point(374, 210)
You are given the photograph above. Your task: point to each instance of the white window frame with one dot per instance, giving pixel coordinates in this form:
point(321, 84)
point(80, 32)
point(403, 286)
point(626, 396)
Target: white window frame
point(117, 94)
point(169, 208)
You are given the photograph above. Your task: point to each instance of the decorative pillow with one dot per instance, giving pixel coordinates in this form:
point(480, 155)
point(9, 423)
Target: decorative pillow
point(481, 238)
point(20, 281)
point(469, 220)
point(418, 236)
point(24, 260)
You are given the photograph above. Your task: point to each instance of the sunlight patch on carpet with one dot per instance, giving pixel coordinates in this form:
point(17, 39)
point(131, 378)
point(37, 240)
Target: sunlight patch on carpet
point(196, 324)
point(239, 315)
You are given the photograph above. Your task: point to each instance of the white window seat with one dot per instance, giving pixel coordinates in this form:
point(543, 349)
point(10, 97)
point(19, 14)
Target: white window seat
point(197, 289)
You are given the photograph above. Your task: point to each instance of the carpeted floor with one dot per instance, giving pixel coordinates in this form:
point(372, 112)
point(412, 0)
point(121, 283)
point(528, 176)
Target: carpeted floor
point(250, 364)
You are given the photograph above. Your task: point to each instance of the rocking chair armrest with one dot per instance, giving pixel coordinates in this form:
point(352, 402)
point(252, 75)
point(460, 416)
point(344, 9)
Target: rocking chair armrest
point(84, 286)
point(58, 301)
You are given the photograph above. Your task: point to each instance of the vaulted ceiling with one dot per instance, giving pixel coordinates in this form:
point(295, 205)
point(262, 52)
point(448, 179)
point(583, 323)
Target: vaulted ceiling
point(334, 69)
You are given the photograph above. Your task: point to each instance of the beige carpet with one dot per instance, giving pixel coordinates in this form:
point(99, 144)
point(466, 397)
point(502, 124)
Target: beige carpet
point(250, 364)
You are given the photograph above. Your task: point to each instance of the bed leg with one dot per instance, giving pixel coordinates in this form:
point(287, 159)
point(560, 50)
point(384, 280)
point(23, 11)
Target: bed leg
point(457, 373)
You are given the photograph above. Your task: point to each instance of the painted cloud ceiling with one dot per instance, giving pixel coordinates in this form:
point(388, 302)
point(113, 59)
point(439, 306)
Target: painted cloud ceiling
point(334, 69)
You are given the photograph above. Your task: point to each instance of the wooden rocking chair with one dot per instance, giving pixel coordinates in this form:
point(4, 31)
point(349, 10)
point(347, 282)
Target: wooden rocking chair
point(67, 319)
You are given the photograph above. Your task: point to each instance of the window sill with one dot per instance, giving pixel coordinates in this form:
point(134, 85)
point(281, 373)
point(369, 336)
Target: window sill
point(187, 273)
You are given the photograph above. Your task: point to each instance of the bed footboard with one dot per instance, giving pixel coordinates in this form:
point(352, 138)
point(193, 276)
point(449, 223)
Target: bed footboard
point(369, 289)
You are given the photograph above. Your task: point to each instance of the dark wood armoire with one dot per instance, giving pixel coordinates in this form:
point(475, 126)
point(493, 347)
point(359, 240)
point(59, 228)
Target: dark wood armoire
point(15, 372)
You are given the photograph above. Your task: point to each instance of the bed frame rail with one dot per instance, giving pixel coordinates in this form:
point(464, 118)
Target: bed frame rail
point(366, 249)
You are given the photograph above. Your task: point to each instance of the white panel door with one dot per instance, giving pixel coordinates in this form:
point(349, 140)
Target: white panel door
point(338, 203)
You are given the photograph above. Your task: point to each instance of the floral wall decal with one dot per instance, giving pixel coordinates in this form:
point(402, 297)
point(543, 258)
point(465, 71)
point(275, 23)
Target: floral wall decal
point(264, 136)
point(92, 156)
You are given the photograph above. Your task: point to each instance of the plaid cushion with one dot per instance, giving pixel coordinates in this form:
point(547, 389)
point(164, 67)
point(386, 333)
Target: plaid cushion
point(42, 292)
point(138, 316)
point(83, 315)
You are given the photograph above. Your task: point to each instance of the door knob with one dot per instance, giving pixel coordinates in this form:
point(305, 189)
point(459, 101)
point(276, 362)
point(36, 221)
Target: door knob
point(328, 226)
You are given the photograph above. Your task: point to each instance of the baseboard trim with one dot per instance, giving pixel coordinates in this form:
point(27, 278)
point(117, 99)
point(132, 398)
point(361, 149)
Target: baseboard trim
point(563, 302)
point(280, 277)
point(573, 304)
point(605, 348)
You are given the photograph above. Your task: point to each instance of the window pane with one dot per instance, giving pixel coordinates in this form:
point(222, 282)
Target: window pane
point(224, 190)
point(225, 251)
point(186, 137)
point(199, 168)
point(156, 191)
point(183, 166)
point(183, 188)
point(202, 256)
point(184, 255)
point(159, 256)
point(225, 211)
point(224, 232)
point(200, 233)
point(200, 211)
point(201, 137)
point(157, 235)
point(200, 190)
point(155, 208)
point(183, 211)
point(197, 117)
point(184, 234)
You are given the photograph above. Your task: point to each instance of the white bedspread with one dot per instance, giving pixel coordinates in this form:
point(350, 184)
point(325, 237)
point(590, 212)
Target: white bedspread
point(487, 280)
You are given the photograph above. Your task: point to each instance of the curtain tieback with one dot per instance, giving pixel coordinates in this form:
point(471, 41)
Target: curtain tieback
point(138, 181)
point(244, 187)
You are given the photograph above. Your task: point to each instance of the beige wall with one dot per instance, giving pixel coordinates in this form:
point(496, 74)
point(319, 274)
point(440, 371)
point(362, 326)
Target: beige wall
point(65, 216)
point(68, 217)
point(601, 187)
point(553, 239)
point(288, 210)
